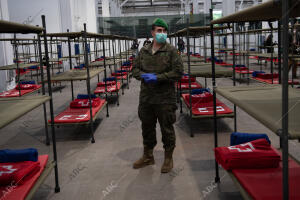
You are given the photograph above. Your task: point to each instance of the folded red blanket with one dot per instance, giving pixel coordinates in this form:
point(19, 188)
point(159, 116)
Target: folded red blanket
point(267, 76)
point(17, 173)
point(119, 74)
point(241, 68)
point(108, 83)
point(185, 79)
point(84, 103)
point(251, 155)
point(26, 86)
point(200, 98)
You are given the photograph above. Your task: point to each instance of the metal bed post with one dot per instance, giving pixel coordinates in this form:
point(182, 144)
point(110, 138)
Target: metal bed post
point(88, 81)
point(239, 34)
point(279, 52)
point(219, 45)
point(125, 41)
point(36, 57)
point(114, 52)
point(89, 50)
point(109, 50)
point(43, 89)
point(114, 58)
point(120, 49)
point(95, 48)
point(189, 72)
point(51, 55)
point(58, 65)
point(292, 32)
point(285, 101)
point(217, 177)
point(204, 43)
point(104, 63)
point(233, 70)
point(194, 45)
point(245, 43)
point(17, 62)
point(248, 57)
point(96, 56)
point(271, 27)
point(57, 188)
point(70, 62)
point(200, 45)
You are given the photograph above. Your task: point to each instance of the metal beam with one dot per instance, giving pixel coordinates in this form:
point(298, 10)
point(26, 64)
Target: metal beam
point(123, 3)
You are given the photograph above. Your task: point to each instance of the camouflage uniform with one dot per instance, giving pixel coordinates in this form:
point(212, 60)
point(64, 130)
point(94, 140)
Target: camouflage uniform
point(158, 100)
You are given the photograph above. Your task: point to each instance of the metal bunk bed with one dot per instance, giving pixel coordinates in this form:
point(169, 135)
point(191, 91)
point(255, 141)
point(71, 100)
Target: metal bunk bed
point(279, 105)
point(23, 105)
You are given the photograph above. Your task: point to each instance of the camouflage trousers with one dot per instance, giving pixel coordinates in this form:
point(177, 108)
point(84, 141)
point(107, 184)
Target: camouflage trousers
point(166, 116)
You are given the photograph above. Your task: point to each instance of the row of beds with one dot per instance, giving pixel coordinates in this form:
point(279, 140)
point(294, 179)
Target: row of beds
point(16, 102)
point(263, 103)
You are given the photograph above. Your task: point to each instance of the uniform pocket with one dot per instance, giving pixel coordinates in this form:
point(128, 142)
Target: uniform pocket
point(170, 113)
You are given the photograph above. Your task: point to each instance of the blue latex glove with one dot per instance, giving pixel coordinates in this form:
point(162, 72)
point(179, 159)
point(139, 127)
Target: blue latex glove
point(149, 78)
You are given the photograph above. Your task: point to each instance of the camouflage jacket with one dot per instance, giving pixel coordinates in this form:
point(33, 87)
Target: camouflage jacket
point(167, 65)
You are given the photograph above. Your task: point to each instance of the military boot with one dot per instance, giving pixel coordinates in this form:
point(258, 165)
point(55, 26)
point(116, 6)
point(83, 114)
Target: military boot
point(168, 163)
point(147, 159)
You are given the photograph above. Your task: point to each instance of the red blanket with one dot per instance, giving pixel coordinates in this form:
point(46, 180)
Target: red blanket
point(15, 92)
point(84, 103)
point(17, 173)
point(108, 83)
point(252, 155)
point(200, 98)
point(207, 109)
point(26, 86)
point(185, 79)
point(184, 86)
point(77, 115)
point(20, 192)
point(109, 88)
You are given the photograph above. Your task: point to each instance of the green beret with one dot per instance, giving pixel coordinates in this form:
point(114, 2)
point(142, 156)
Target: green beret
point(160, 22)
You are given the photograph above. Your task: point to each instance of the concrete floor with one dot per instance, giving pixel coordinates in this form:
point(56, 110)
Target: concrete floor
point(103, 170)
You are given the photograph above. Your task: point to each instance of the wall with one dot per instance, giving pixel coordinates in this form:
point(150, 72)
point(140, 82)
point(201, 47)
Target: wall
point(6, 52)
point(60, 16)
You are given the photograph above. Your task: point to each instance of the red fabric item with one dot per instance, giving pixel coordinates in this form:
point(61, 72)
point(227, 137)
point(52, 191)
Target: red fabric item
point(127, 68)
point(207, 109)
point(275, 81)
point(185, 79)
point(185, 86)
point(108, 83)
point(200, 98)
point(17, 173)
point(224, 64)
point(124, 77)
point(267, 76)
point(15, 93)
point(26, 86)
point(243, 70)
point(77, 115)
point(20, 192)
point(21, 71)
point(266, 184)
point(84, 103)
point(252, 155)
point(111, 88)
point(99, 59)
point(118, 74)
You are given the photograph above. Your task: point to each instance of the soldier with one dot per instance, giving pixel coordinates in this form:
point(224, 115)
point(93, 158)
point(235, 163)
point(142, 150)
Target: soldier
point(158, 67)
